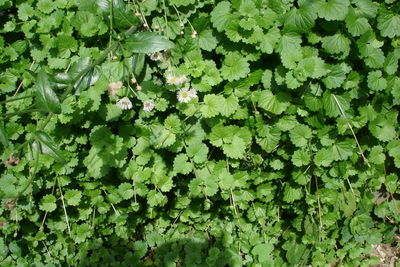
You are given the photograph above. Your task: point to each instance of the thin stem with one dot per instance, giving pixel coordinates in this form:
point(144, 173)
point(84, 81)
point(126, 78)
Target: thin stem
point(94, 216)
point(15, 99)
point(23, 111)
point(351, 188)
point(45, 215)
point(352, 131)
point(231, 191)
point(31, 174)
point(321, 226)
point(65, 210)
point(111, 23)
point(165, 17)
point(20, 84)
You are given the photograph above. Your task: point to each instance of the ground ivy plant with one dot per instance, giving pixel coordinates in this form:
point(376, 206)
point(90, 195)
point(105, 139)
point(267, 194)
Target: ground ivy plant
point(198, 133)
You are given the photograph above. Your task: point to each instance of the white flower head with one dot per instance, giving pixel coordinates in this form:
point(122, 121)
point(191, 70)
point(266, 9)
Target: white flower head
point(182, 79)
point(114, 88)
point(184, 95)
point(148, 105)
point(124, 103)
point(157, 56)
point(192, 93)
point(171, 79)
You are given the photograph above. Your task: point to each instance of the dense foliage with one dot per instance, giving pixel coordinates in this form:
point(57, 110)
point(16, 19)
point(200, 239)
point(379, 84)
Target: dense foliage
point(198, 132)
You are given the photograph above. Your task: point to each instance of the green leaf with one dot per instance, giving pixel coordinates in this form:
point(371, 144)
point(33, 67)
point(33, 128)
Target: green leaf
point(25, 11)
point(135, 64)
point(48, 146)
point(161, 137)
point(221, 15)
point(391, 63)
point(198, 151)
point(336, 75)
point(292, 194)
point(8, 186)
point(173, 123)
point(220, 135)
point(290, 49)
point(229, 106)
point(147, 42)
point(266, 79)
point(73, 197)
point(207, 41)
point(343, 150)
point(269, 138)
point(210, 185)
point(112, 112)
point(48, 203)
point(302, 19)
point(125, 191)
point(212, 105)
point(155, 198)
point(140, 248)
point(300, 158)
point(296, 253)
point(226, 180)
point(263, 251)
point(300, 134)
point(234, 67)
point(335, 104)
point(336, 44)
point(181, 164)
point(236, 149)
point(356, 25)
point(81, 232)
point(389, 23)
point(94, 163)
point(275, 104)
point(332, 9)
point(47, 98)
point(375, 81)
point(313, 67)
point(88, 24)
point(376, 155)
point(324, 157)
point(123, 17)
point(382, 129)
point(183, 2)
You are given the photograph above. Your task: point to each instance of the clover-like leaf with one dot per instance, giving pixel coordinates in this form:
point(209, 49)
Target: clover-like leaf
point(383, 129)
point(273, 103)
point(332, 9)
point(73, 197)
point(235, 149)
point(300, 158)
point(389, 23)
point(182, 165)
point(234, 67)
point(48, 203)
point(212, 105)
point(125, 190)
point(300, 134)
point(221, 15)
point(198, 151)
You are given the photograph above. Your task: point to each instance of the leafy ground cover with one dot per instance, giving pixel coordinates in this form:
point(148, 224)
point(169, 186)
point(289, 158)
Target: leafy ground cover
point(199, 133)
